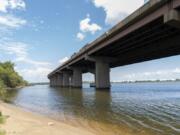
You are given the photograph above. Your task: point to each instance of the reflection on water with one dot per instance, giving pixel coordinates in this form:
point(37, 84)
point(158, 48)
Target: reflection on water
point(138, 109)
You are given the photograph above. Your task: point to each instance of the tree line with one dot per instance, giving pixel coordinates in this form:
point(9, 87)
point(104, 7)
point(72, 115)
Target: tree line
point(9, 78)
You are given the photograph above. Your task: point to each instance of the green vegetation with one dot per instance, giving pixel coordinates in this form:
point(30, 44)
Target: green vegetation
point(2, 132)
point(2, 120)
point(9, 78)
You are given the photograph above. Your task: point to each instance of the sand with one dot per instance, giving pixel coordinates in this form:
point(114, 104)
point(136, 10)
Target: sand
point(21, 122)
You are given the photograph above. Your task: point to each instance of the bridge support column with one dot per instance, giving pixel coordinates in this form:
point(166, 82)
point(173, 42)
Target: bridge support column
point(77, 77)
point(50, 82)
point(60, 80)
point(66, 82)
point(56, 80)
point(102, 70)
point(71, 80)
point(102, 76)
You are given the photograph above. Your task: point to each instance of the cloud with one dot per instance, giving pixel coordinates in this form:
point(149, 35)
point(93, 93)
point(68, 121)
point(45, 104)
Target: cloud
point(86, 26)
point(80, 36)
point(170, 74)
point(38, 74)
point(32, 70)
point(14, 48)
point(6, 5)
point(8, 21)
point(116, 10)
point(20, 51)
point(61, 61)
point(11, 21)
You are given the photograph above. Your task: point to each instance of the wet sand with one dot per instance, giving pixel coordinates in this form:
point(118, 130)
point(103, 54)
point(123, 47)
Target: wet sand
point(21, 122)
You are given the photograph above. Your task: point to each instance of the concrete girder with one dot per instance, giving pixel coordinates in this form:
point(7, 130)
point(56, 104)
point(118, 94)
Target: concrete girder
point(172, 18)
point(101, 58)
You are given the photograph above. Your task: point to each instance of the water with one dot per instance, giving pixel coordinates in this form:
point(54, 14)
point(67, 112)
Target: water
point(128, 109)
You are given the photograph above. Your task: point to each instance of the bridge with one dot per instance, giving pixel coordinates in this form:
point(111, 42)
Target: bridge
point(151, 32)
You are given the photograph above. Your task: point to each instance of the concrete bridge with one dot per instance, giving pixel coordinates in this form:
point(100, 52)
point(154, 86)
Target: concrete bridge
point(151, 32)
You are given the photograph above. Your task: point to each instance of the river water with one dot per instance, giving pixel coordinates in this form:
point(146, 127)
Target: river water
point(128, 109)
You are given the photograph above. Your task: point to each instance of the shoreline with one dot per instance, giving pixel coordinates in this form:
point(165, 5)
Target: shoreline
point(21, 122)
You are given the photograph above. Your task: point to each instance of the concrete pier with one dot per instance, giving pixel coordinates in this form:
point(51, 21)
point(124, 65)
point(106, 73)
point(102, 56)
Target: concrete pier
point(50, 82)
point(77, 77)
point(59, 80)
point(54, 81)
point(102, 76)
point(66, 80)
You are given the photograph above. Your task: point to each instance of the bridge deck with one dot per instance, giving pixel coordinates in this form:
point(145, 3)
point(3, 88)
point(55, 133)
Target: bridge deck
point(140, 37)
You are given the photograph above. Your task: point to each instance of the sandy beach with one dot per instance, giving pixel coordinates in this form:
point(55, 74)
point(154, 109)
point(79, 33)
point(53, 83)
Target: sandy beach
point(21, 122)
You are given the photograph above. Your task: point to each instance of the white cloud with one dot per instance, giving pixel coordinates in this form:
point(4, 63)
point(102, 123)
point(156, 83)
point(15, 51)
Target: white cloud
point(61, 61)
point(8, 21)
point(32, 70)
point(20, 51)
point(37, 74)
point(11, 21)
point(6, 5)
point(170, 74)
point(17, 49)
point(80, 36)
point(116, 10)
point(86, 26)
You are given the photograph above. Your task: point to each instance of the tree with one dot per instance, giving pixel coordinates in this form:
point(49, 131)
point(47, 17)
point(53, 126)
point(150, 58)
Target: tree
point(9, 77)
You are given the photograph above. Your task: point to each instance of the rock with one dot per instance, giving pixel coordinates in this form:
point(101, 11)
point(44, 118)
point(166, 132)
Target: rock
point(50, 123)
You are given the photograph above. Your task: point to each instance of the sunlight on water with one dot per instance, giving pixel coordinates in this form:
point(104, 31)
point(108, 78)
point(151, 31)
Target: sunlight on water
point(138, 109)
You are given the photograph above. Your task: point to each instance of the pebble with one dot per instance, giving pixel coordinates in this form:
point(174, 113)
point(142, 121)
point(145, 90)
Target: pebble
point(50, 123)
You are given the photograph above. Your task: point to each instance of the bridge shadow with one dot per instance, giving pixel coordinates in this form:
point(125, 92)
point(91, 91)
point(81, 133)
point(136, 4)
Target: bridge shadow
point(86, 103)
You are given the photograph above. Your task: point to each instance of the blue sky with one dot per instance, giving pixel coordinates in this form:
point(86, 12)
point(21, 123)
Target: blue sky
point(39, 35)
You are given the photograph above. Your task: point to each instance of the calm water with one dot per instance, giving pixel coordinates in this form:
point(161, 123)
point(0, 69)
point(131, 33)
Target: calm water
point(138, 109)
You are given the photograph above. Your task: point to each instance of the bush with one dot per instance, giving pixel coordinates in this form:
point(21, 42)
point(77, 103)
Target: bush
point(2, 132)
point(2, 118)
point(2, 91)
point(9, 77)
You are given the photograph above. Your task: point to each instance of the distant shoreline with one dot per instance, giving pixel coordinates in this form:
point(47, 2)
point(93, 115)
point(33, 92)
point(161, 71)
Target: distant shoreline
point(145, 81)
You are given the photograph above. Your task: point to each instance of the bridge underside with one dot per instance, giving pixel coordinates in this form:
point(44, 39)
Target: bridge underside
point(158, 38)
point(153, 41)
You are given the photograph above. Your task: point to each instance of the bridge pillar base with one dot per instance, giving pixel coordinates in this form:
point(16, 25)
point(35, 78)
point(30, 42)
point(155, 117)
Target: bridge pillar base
point(172, 18)
point(60, 80)
point(50, 82)
point(77, 77)
point(53, 81)
point(102, 75)
point(66, 82)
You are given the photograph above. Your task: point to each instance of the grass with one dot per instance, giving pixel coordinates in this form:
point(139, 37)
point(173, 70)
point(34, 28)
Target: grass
point(2, 118)
point(2, 121)
point(2, 132)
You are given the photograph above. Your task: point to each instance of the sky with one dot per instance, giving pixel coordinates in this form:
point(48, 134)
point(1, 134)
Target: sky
point(39, 35)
